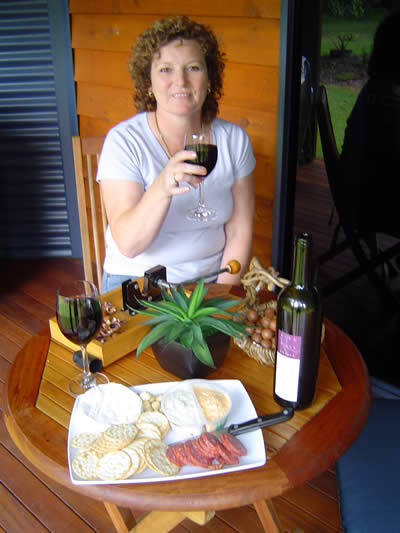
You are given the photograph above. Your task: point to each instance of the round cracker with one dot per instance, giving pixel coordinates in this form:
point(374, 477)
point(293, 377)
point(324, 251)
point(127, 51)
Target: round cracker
point(138, 461)
point(102, 446)
point(157, 418)
point(120, 435)
point(155, 452)
point(148, 429)
point(114, 465)
point(138, 443)
point(84, 440)
point(85, 464)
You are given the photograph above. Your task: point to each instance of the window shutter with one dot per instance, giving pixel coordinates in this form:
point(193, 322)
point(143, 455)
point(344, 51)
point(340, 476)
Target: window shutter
point(34, 216)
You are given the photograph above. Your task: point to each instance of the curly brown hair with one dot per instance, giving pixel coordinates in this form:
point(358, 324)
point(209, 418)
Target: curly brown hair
point(161, 33)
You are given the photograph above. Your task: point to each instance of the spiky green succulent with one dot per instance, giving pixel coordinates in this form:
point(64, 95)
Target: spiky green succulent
point(189, 320)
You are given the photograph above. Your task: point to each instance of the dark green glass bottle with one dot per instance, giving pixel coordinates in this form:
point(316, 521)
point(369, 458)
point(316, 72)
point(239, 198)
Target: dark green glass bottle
point(298, 323)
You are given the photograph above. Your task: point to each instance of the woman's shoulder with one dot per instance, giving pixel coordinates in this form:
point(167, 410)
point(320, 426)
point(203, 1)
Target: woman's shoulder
point(135, 122)
point(228, 128)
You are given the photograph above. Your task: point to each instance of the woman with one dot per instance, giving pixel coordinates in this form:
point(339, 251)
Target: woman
point(145, 182)
point(370, 156)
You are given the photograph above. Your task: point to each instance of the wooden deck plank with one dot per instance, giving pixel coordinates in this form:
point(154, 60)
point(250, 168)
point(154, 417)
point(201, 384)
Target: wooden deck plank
point(14, 516)
point(8, 348)
point(93, 512)
point(45, 505)
point(14, 331)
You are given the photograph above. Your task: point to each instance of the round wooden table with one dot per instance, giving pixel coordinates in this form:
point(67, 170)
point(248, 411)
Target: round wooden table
point(309, 450)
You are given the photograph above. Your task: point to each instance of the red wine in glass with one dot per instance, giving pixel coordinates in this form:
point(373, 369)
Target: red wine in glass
point(207, 155)
point(79, 318)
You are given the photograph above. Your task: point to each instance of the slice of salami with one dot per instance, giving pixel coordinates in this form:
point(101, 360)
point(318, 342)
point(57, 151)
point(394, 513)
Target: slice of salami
point(209, 441)
point(208, 452)
point(171, 454)
point(180, 454)
point(196, 458)
point(233, 444)
point(226, 456)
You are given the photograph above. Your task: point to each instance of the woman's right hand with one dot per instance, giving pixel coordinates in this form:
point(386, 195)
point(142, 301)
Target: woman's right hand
point(177, 171)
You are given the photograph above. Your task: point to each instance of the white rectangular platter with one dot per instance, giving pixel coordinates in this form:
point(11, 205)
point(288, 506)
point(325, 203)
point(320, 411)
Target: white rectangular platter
point(242, 410)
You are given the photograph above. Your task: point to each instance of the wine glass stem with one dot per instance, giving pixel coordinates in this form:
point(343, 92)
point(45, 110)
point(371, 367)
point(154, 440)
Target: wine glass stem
point(87, 376)
point(201, 194)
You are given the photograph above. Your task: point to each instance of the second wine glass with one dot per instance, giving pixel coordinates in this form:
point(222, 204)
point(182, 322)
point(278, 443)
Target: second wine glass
point(79, 318)
point(207, 154)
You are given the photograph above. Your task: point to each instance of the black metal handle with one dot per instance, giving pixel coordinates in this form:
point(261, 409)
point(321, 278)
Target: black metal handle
point(261, 422)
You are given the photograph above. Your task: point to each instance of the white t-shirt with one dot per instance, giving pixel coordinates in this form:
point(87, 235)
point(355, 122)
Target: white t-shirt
point(188, 249)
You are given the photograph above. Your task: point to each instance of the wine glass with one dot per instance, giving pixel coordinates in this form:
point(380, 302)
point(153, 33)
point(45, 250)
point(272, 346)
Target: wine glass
point(79, 318)
point(207, 154)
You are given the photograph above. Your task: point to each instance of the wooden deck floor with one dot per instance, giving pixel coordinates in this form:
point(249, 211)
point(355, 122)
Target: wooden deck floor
point(29, 501)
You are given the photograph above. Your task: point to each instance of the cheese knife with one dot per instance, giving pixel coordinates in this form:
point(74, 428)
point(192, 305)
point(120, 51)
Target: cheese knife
point(256, 423)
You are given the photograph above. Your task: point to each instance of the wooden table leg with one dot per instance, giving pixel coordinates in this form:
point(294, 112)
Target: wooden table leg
point(122, 518)
point(154, 521)
point(268, 516)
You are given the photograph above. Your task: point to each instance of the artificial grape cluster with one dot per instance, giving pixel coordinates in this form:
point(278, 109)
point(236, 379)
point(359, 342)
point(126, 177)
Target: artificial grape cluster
point(262, 327)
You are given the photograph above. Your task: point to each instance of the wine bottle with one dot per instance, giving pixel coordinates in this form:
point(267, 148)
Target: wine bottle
point(298, 324)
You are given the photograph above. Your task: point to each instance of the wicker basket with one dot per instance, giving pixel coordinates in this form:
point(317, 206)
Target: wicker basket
point(254, 281)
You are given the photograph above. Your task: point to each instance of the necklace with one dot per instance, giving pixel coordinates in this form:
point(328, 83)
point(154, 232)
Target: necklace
point(162, 137)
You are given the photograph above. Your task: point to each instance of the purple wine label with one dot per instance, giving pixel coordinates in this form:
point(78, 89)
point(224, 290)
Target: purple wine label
point(289, 345)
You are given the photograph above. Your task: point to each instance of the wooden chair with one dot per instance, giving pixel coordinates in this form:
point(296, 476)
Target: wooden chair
point(92, 215)
point(363, 243)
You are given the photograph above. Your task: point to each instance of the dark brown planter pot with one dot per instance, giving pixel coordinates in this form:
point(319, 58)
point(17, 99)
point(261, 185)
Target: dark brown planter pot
point(181, 361)
point(339, 53)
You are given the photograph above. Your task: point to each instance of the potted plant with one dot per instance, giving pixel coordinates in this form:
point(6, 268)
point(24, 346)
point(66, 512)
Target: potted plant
point(190, 335)
point(342, 42)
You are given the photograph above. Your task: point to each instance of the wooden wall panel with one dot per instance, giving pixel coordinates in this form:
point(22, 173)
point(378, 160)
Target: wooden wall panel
point(109, 69)
point(246, 40)
point(248, 30)
point(220, 8)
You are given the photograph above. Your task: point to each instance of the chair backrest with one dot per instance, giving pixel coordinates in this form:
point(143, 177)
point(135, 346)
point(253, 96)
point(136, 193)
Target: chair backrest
point(328, 143)
point(92, 215)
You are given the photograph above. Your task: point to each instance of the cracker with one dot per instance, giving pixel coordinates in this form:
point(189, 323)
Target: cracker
point(157, 459)
point(138, 443)
point(84, 440)
point(114, 465)
point(148, 429)
point(102, 446)
point(85, 464)
point(138, 446)
point(138, 461)
point(120, 435)
point(157, 418)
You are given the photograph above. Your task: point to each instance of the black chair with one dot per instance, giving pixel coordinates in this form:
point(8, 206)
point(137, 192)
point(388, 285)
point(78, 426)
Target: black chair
point(362, 242)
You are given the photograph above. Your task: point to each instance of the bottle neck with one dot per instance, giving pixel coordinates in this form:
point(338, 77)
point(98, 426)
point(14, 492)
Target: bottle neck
point(301, 276)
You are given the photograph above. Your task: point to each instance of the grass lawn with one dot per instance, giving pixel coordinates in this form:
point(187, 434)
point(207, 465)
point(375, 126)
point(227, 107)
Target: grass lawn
point(341, 102)
point(342, 98)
